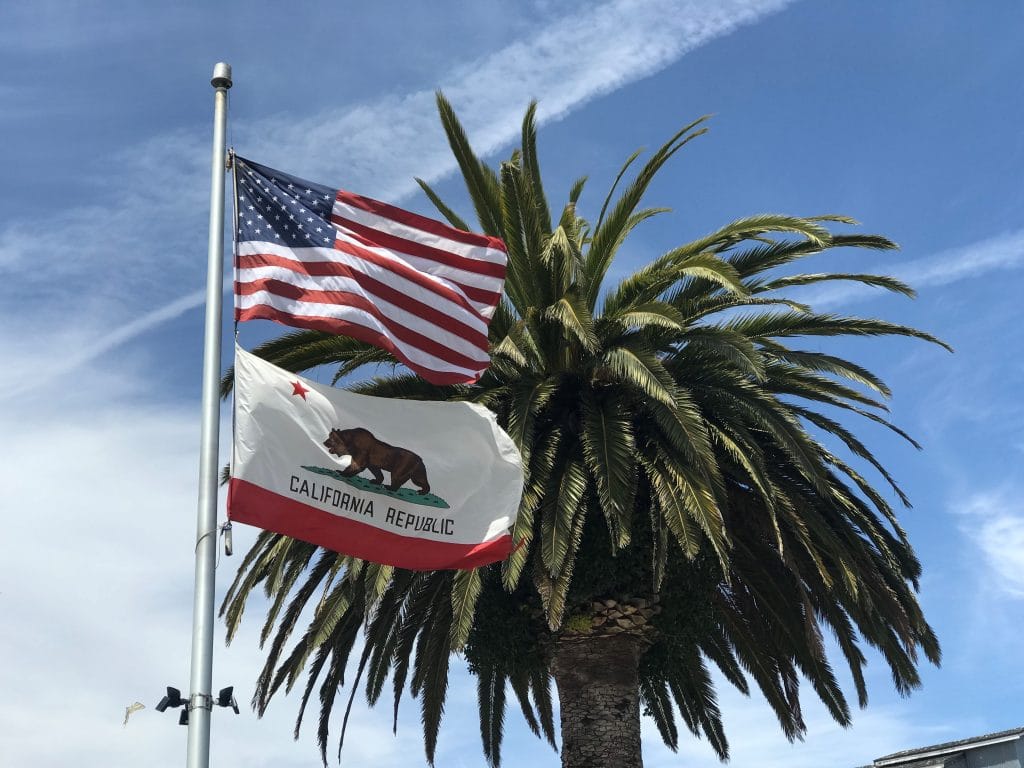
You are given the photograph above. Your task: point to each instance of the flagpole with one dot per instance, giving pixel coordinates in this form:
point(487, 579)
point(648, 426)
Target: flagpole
point(200, 702)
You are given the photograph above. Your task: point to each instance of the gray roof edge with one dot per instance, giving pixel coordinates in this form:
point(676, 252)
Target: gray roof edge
point(949, 746)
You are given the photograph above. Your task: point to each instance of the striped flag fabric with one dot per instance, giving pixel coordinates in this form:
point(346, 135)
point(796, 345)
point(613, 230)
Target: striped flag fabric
point(316, 257)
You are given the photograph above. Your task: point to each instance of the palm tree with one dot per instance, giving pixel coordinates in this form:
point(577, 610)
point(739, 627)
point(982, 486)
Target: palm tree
point(681, 508)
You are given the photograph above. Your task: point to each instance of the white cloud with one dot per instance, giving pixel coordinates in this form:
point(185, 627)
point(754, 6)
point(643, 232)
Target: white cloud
point(92, 510)
point(984, 258)
point(139, 249)
point(994, 521)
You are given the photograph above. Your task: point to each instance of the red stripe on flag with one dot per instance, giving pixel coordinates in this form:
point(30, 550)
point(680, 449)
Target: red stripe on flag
point(379, 290)
point(253, 505)
point(395, 265)
point(354, 300)
point(378, 237)
point(343, 297)
point(329, 268)
point(481, 295)
point(416, 221)
point(340, 327)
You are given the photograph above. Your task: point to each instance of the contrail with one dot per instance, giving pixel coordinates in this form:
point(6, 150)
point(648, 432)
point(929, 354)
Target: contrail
point(19, 384)
point(377, 146)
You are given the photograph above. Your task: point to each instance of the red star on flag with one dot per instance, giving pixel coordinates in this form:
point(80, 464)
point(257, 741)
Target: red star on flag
point(298, 389)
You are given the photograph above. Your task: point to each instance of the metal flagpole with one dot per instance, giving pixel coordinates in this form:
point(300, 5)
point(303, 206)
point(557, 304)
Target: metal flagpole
point(200, 702)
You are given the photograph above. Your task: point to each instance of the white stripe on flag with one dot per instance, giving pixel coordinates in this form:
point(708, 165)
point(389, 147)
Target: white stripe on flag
point(294, 266)
point(347, 285)
point(412, 289)
point(356, 316)
point(398, 229)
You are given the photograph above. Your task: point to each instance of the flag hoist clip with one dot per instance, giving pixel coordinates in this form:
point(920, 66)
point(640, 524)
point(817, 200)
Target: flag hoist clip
point(225, 532)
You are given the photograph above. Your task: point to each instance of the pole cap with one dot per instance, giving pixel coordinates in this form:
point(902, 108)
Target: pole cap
point(221, 75)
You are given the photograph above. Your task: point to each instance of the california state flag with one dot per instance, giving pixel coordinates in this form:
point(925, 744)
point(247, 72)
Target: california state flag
point(418, 485)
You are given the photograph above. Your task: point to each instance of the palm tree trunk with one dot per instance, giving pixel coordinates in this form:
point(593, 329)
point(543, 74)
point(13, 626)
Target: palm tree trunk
point(598, 692)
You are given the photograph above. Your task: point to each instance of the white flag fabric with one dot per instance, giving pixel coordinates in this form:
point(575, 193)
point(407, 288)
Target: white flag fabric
point(417, 485)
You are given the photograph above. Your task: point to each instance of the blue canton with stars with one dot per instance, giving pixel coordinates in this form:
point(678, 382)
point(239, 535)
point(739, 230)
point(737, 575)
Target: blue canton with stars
point(280, 208)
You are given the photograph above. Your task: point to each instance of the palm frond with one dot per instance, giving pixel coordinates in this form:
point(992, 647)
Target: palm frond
point(574, 321)
point(481, 181)
point(820, 361)
point(785, 324)
point(453, 218)
point(491, 698)
point(611, 231)
point(657, 704)
point(559, 516)
point(465, 592)
point(767, 256)
point(639, 370)
point(531, 167)
point(608, 445)
point(876, 281)
point(670, 270)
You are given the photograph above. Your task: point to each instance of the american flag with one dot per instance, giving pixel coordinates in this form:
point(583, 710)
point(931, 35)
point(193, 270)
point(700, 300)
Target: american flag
point(315, 257)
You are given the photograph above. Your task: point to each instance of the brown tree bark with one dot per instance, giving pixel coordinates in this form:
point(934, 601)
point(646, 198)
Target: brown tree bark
point(599, 697)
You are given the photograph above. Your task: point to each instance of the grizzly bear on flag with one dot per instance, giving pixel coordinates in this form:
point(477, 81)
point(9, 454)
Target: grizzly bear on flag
point(368, 452)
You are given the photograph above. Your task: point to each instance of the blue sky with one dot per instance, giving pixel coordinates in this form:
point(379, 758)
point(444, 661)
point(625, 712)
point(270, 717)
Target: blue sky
point(905, 116)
